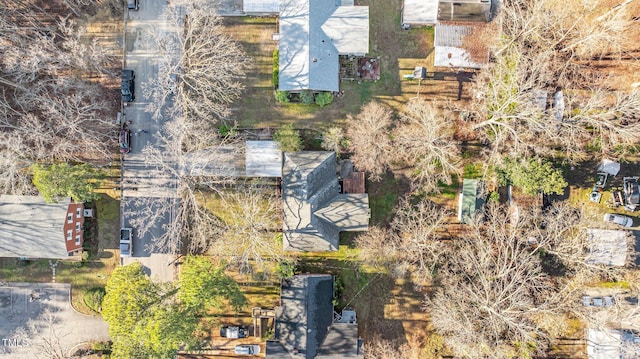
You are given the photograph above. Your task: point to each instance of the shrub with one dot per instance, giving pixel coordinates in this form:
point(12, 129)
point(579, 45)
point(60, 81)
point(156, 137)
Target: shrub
point(276, 67)
point(288, 138)
point(286, 269)
point(282, 96)
point(227, 131)
point(306, 97)
point(93, 298)
point(324, 98)
point(333, 139)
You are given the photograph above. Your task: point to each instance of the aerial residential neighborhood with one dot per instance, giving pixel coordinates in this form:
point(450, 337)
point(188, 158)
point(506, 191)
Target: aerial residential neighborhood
point(283, 179)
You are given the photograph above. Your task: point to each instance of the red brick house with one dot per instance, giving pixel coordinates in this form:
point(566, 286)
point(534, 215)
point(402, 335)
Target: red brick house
point(32, 228)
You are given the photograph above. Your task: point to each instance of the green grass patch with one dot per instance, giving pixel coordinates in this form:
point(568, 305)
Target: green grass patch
point(382, 200)
point(449, 191)
point(617, 285)
point(108, 217)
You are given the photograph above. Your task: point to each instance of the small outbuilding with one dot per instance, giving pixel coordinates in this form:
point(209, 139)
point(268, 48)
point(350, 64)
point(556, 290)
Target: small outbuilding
point(471, 200)
point(607, 247)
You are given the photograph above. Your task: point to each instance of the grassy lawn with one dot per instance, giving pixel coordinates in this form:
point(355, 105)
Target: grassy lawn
point(82, 276)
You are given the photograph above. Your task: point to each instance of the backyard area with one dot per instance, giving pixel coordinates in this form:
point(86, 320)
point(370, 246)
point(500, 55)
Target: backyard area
point(398, 51)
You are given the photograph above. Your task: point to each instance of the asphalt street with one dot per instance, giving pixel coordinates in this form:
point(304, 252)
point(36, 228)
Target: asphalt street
point(145, 186)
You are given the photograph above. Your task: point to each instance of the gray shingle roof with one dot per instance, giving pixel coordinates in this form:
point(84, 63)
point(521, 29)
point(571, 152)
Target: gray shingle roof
point(32, 228)
point(341, 342)
point(306, 312)
point(312, 35)
point(314, 210)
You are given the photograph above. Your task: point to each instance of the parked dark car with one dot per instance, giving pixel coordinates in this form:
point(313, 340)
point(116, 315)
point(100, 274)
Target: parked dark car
point(128, 88)
point(233, 332)
point(125, 141)
point(133, 4)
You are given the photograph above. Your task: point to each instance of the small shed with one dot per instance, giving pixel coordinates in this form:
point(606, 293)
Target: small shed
point(449, 50)
point(263, 159)
point(471, 200)
point(419, 12)
point(610, 167)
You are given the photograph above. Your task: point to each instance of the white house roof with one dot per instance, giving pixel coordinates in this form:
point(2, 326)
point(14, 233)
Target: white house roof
point(261, 6)
point(312, 35)
point(448, 47)
point(607, 247)
point(420, 12)
point(32, 228)
point(263, 159)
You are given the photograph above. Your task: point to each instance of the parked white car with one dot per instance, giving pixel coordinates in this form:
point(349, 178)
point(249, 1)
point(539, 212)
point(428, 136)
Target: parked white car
point(247, 349)
point(126, 242)
point(618, 219)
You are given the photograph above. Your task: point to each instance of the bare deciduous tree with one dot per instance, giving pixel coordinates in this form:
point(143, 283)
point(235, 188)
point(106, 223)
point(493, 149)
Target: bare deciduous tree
point(424, 140)
point(206, 63)
point(546, 46)
point(490, 286)
point(370, 142)
point(251, 225)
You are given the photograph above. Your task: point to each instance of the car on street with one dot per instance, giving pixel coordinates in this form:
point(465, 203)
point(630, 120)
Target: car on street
point(618, 219)
point(128, 88)
point(125, 141)
point(126, 242)
point(233, 332)
point(247, 349)
point(133, 4)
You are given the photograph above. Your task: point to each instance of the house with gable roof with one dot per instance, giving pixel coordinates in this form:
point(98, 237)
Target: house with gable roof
point(313, 33)
point(306, 324)
point(314, 209)
point(32, 228)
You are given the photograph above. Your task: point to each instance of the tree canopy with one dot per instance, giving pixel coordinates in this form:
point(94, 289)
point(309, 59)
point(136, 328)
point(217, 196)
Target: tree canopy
point(151, 320)
point(533, 176)
point(62, 180)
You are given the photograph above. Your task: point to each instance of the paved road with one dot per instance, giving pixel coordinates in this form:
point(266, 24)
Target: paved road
point(144, 186)
point(30, 327)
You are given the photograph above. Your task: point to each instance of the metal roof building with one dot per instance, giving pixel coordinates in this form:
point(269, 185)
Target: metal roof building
point(419, 12)
point(470, 201)
point(448, 47)
point(312, 35)
point(261, 6)
point(263, 159)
